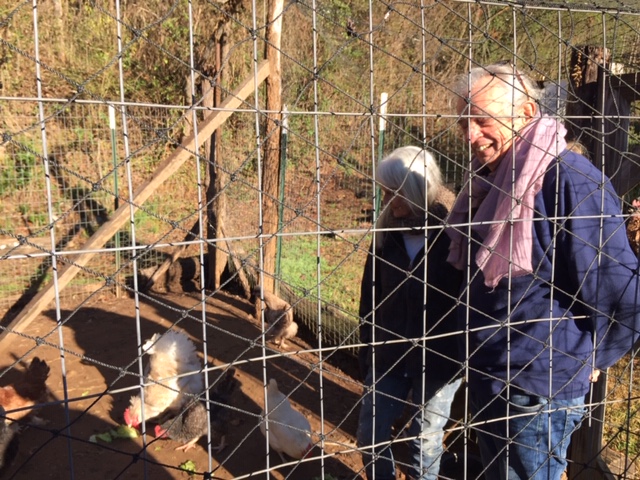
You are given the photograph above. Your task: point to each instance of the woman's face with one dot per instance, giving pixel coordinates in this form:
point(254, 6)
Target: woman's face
point(398, 205)
point(489, 120)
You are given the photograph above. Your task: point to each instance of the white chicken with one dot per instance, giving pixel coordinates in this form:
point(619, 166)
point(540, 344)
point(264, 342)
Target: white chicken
point(289, 430)
point(171, 355)
point(279, 315)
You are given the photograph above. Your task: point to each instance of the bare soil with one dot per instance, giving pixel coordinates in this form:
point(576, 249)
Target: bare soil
point(93, 360)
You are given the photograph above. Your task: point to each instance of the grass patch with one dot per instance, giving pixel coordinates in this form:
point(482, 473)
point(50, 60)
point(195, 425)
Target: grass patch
point(339, 272)
point(622, 417)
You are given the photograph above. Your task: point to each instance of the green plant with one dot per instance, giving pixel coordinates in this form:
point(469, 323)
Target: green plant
point(83, 135)
point(340, 269)
point(18, 173)
point(37, 219)
point(146, 220)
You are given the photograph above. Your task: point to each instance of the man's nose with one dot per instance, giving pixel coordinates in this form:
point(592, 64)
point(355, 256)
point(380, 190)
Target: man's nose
point(472, 132)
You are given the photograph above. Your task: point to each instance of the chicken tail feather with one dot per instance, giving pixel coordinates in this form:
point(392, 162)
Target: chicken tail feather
point(34, 385)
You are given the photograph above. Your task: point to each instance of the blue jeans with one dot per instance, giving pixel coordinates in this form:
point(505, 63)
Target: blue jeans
point(532, 444)
point(426, 428)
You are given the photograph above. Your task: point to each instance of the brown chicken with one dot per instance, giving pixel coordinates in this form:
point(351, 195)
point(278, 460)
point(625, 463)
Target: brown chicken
point(278, 314)
point(27, 392)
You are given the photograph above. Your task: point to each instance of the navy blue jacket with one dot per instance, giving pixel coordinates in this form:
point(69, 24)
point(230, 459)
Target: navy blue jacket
point(411, 336)
point(546, 331)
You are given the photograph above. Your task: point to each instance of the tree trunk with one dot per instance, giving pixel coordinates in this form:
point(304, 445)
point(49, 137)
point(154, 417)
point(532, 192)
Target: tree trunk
point(216, 199)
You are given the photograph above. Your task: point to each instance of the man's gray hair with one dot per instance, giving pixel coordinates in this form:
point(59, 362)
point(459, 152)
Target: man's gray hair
point(523, 87)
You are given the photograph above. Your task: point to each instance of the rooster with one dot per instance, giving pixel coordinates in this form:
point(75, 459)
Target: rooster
point(289, 430)
point(171, 356)
point(191, 424)
point(28, 391)
point(279, 315)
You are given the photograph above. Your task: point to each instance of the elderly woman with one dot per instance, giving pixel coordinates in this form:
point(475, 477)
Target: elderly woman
point(551, 284)
point(406, 305)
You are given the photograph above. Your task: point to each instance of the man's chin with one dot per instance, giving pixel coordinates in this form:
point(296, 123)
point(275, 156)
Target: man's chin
point(486, 160)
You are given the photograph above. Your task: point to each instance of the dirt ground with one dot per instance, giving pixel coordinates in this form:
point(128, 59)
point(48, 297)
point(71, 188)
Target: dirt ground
point(97, 350)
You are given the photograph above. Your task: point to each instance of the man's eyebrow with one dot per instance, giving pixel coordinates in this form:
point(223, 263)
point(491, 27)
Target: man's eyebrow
point(472, 111)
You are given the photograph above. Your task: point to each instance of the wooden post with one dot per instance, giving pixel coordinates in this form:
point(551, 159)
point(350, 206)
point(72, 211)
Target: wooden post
point(271, 158)
point(173, 255)
point(165, 169)
point(586, 443)
point(597, 114)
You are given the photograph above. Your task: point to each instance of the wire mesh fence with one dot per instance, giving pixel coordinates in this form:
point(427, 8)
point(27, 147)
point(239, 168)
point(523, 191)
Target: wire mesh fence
point(101, 100)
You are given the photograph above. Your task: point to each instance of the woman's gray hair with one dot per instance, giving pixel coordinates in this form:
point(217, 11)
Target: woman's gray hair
point(523, 87)
point(412, 173)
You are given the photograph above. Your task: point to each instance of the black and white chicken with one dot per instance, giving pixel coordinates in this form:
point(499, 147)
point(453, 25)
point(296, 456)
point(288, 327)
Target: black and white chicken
point(174, 377)
point(188, 426)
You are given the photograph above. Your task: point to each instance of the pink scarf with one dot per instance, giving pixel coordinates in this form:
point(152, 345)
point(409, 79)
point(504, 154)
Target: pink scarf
point(505, 207)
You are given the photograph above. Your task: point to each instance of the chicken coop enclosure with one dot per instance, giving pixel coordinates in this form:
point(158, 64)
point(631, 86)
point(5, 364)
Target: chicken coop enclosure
point(162, 159)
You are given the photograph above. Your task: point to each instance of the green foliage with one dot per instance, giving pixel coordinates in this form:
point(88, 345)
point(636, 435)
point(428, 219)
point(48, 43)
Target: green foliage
point(634, 136)
point(37, 219)
point(146, 220)
point(17, 172)
point(83, 135)
point(299, 263)
point(336, 11)
point(340, 272)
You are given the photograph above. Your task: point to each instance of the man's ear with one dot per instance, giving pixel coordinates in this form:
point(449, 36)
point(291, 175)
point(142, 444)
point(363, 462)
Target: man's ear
point(529, 109)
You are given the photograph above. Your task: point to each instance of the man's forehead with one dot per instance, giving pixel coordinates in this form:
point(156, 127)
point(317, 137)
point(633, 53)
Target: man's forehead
point(486, 97)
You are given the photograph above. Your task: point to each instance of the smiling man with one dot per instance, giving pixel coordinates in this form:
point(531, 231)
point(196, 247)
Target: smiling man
point(489, 118)
point(541, 242)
